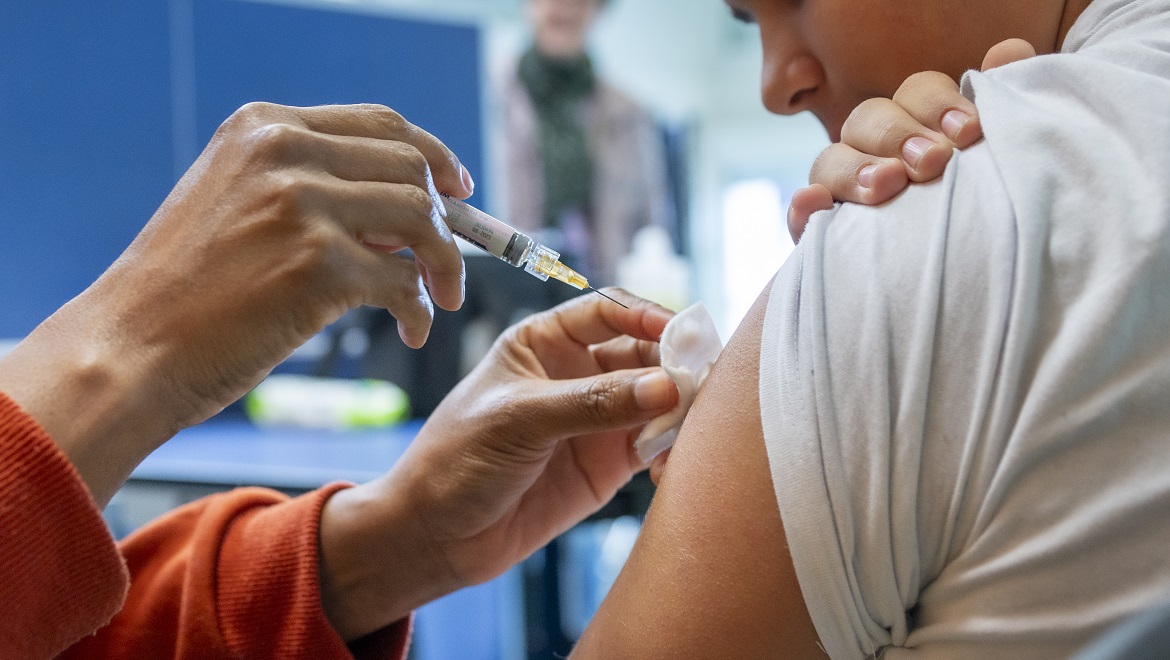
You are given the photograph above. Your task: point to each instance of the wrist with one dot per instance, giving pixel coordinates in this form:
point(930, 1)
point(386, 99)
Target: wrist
point(377, 561)
point(91, 393)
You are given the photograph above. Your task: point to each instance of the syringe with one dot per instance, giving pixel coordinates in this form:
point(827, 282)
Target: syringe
point(511, 246)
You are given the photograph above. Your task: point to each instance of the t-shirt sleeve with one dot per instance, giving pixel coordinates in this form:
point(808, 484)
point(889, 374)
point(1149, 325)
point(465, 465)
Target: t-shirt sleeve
point(879, 361)
point(232, 575)
point(963, 392)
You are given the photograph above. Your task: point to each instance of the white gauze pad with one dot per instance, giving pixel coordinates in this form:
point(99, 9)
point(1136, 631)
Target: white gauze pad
point(689, 346)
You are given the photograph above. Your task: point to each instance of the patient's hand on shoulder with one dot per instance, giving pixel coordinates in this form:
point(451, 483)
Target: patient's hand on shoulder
point(888, 143)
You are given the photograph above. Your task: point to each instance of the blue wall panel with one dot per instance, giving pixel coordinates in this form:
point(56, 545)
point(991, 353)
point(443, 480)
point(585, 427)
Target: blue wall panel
point(248, 51)
point(85, 144)
point(104, 104)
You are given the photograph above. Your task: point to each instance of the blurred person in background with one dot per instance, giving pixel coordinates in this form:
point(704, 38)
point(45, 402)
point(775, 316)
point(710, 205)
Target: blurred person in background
point(586, 164)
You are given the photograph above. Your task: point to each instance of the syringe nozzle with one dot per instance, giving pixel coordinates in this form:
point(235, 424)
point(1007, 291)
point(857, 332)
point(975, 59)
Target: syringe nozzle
point(569, 276)
point(546, 263)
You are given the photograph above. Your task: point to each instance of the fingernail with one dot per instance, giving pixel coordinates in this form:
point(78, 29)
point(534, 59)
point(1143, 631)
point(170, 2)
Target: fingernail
point(467, 180)
point(654, 391)
point(865, 176)
point(953, 122)
point(914, 149)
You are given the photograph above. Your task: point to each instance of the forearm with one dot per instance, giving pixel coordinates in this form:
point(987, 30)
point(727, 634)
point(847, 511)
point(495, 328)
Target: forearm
point(92, 392)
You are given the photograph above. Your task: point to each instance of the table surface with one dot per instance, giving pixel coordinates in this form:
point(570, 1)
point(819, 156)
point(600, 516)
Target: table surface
point(236, 452)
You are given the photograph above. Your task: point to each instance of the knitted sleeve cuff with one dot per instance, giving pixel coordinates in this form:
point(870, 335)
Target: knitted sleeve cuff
point(269, 592)
point(63, 577)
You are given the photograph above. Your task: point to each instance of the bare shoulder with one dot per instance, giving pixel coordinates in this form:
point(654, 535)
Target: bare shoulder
point(711, 575)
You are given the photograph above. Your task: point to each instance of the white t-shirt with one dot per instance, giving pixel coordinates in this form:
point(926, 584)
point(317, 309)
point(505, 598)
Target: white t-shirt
point(966, 392)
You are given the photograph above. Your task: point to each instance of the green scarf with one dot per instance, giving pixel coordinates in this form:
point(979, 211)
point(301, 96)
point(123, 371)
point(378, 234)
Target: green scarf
point(557, 88)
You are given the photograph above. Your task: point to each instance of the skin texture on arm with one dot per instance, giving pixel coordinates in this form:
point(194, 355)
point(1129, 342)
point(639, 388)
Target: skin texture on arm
point(710, 575)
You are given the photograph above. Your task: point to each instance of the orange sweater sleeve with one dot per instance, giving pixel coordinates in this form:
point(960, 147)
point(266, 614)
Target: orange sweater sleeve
point(233, 575)
point(62, 576)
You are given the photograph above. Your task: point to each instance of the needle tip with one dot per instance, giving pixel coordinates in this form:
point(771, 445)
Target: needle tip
point(606, 297)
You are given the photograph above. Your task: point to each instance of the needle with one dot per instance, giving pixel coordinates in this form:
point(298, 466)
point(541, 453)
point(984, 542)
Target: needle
point(605, 296)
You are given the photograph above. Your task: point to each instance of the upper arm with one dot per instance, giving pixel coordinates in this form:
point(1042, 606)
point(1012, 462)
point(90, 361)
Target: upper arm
point(710, 575)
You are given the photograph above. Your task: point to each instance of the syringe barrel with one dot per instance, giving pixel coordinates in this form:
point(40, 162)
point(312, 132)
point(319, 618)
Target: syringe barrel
point(511, 246)
point(485, 232)
point(494, 237)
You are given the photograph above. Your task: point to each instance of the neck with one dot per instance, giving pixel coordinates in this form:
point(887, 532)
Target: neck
point(1072, 11)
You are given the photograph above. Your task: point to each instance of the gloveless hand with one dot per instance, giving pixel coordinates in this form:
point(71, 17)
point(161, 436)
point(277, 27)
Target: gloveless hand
point(535, 439)
point(888, 143)
point(289, 218)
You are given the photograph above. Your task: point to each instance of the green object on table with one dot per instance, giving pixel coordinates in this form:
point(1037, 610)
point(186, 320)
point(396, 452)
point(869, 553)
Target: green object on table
point(326, 403)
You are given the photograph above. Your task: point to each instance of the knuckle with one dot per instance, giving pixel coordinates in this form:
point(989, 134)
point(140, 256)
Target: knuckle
point(288, 191)
point(408, 288)
point(603, 401)
point(937, 79)
point(310, 262)
point(514, 335)
point(887, 131)
point(319, 247)
point(868, 120)
point(917, 79)
point(418, 204)
point(274, 140)
point(827, 162)
point(504, 403)
point(257, 110)
point(921, 84)
point(402, 291)
point(249, 114)
point(867, 108)
point(384, 116)
point(415, 164)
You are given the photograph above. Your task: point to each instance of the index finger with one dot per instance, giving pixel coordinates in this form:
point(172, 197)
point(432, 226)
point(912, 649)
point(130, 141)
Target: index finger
point(933, 100)
point(382, 123)
point(591, 319)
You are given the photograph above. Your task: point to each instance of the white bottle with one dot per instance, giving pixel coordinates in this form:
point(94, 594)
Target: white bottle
point(653, 271)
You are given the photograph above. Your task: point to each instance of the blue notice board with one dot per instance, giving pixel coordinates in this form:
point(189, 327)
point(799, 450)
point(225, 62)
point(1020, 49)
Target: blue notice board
point(103, 105)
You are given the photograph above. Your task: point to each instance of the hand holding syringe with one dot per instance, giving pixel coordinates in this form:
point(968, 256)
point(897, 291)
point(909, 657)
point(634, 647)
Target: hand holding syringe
point(516, 248)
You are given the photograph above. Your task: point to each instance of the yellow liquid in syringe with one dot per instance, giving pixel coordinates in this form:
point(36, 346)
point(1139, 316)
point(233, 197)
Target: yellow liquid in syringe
point(559, 271)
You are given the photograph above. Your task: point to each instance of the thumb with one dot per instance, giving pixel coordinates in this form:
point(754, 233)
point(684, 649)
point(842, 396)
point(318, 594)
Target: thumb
point(607, 402)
